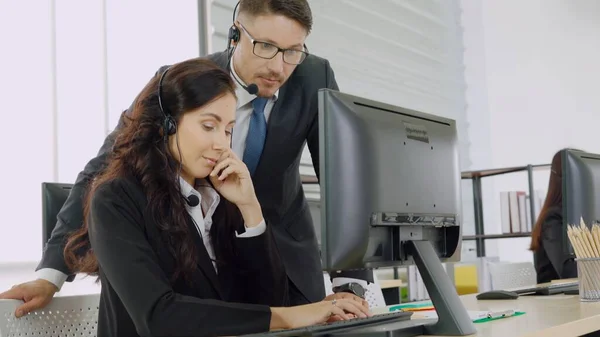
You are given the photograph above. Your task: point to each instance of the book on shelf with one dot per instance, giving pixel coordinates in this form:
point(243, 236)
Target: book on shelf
point(515, 214)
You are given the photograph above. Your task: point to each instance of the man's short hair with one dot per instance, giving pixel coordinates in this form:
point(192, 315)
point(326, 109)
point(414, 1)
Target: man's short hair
point(297, 10)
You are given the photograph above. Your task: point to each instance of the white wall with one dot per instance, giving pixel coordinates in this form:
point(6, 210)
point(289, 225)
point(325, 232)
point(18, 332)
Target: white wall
point(478, 120)
point(27, 137)
point(539, 75)
point(69, 68)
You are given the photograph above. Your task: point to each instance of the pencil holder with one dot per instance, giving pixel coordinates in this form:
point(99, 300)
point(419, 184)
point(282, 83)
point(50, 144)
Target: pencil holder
point(588, 272)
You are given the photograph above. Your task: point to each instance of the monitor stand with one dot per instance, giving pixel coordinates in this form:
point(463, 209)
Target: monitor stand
point(453, 319)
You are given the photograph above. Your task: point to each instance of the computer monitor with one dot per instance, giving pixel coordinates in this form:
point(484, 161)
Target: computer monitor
point(54, 196)
point(580, 190)
point(390, 195)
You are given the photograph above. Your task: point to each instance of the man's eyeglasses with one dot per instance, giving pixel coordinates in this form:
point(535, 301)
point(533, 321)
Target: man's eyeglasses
point(268, 50)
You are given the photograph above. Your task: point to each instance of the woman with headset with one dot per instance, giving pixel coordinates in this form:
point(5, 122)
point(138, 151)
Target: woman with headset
point(176, 232)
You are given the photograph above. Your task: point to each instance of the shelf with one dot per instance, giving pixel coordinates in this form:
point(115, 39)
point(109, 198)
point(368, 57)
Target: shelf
point(494, 172)
point(496, 236)
point(464, 175)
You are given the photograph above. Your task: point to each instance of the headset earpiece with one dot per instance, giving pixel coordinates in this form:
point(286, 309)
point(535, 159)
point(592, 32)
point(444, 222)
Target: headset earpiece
point(234, 34)
point(169, 124)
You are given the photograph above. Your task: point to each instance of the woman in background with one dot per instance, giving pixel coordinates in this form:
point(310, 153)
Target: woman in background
point(549, 259)
point(176, 232)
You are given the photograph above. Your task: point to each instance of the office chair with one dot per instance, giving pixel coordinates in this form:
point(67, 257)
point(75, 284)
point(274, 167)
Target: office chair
point(65, 316)
point(54, 196)
point(508, 275)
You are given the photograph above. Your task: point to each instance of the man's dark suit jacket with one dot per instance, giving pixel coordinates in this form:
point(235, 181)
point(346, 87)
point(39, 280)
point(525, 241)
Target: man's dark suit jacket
point(136, 267)
point(292, 123)
point(550, 262)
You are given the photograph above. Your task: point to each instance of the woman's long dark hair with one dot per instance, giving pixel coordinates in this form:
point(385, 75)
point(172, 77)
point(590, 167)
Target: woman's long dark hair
point(553, 199)
point(140, 151)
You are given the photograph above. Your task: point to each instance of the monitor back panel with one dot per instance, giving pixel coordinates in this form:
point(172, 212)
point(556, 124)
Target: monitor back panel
point(394, 170)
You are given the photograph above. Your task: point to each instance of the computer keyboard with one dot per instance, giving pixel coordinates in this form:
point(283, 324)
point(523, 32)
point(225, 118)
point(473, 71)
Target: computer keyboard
point(550, 289)
point(315, 330)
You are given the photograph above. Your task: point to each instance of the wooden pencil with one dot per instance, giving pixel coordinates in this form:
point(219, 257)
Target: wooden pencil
point(586, 244)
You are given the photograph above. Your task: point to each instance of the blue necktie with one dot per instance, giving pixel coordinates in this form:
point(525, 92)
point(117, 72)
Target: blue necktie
point(257, 133)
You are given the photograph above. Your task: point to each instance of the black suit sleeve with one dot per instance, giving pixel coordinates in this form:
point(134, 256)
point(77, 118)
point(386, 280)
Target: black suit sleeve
point(130, 265)
point(552, 243)
point(260, 272)
point(313, 147)
point(70, 217)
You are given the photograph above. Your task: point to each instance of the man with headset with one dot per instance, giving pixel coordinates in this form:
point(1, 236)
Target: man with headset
point(276, 116)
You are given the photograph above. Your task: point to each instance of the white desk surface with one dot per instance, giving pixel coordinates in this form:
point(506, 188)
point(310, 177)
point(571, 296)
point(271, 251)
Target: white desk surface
point(557, 315)
point(552, 316)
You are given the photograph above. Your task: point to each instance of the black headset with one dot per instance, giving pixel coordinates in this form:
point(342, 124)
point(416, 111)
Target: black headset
point(169, 124)
point(234, 32)
point(234, 35)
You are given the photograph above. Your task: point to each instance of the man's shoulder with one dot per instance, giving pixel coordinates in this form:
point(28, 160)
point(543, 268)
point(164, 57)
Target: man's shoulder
point(313, 63)
point(312, 73)
point(220, 58)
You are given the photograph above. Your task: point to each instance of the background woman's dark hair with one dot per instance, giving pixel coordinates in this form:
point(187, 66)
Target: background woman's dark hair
point(140, 151)
point(553, 199)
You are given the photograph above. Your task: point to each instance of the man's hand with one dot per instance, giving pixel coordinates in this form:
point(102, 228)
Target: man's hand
point(348, 296)
point(36, 294)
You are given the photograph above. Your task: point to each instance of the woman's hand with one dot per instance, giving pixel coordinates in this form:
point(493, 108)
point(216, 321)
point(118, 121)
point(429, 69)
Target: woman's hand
point(320, 312)
point(232, 180)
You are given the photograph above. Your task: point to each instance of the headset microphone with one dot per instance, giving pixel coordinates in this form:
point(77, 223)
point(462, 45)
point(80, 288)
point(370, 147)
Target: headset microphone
point(192, 200)
point(234, 35)
point(252, 89)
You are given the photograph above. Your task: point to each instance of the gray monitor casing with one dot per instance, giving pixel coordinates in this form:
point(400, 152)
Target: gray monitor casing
point(580, 190)
point(388, 175)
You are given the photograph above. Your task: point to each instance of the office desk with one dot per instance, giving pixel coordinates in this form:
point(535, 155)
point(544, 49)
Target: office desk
point(555, 316)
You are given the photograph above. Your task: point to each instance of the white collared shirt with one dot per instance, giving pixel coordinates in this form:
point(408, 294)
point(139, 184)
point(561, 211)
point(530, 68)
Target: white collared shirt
point(243, 114)
point(209, 200)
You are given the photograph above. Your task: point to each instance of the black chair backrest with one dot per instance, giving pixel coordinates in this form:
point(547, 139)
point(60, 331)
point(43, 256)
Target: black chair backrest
point(54, 196)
